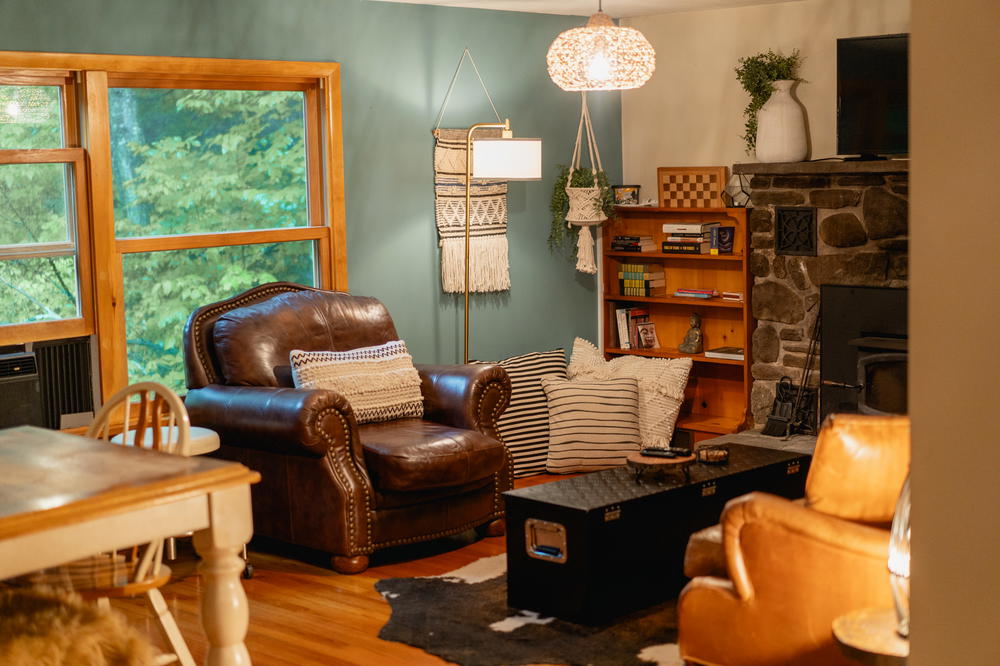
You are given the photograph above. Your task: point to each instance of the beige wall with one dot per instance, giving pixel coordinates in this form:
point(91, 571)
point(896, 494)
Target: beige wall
point(691, 112)
point(954, 329)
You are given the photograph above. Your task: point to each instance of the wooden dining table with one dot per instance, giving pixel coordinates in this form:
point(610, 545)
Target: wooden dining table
point(64, 497)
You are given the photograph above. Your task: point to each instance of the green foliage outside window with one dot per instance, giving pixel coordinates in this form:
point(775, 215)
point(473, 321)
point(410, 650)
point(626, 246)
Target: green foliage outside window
point(184, 161)
point(197, 161)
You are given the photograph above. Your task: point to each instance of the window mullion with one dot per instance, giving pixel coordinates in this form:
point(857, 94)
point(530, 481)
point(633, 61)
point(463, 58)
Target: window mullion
point(109, 303)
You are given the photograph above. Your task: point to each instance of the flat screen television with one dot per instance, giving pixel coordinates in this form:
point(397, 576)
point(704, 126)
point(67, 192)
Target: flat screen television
point(872, 96)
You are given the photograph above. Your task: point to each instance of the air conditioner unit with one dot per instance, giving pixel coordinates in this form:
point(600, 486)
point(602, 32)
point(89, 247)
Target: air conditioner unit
point(68, 382)
point(20, 390)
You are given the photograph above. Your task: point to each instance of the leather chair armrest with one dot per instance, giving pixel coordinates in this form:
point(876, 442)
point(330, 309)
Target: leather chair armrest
point(305, 422)
point(472, 396)
point(854, 540)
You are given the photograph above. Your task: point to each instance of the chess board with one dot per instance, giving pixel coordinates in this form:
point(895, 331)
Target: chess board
point(692, 187)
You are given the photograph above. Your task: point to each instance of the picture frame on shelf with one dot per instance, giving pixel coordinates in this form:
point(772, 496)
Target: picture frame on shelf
point(647, 336)
point(625, 195)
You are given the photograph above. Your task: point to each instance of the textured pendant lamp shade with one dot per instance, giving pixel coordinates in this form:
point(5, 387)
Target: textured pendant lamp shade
point(600, 56)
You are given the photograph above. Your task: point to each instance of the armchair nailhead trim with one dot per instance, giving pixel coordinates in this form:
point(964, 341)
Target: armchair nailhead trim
point(333, 452)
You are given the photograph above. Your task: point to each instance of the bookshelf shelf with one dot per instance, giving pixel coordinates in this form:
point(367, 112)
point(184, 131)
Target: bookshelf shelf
point(668, 352)
point(677, 300)
point(676, 255)
point(717, 396)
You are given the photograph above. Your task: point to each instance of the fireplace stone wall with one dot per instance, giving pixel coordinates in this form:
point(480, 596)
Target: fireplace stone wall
point(861, 240)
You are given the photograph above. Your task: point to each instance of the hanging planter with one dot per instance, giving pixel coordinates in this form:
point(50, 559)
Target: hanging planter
point(582, 197)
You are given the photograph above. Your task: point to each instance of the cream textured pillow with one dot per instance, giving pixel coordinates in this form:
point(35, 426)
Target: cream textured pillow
point(661, 385)
point(380, 382)
point(592, 425)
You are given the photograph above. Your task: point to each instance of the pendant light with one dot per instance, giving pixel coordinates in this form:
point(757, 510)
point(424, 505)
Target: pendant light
point(600, 56)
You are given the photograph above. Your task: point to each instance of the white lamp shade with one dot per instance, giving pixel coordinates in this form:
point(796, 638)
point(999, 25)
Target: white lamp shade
point(508, 159)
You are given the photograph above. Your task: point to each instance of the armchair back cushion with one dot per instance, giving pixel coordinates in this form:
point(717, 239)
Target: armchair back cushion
point(252, 343)
point(859, 467)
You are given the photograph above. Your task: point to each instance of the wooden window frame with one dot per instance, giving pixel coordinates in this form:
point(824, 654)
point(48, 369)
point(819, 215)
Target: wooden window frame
point(104, 310)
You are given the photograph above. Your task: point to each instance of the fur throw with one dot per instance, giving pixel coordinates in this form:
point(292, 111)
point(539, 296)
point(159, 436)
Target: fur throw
point(43, 627)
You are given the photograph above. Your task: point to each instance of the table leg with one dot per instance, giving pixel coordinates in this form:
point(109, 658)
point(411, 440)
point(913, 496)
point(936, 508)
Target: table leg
point(224, 612)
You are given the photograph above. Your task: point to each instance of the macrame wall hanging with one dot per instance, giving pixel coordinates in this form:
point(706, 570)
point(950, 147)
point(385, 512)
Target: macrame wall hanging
point(586, 207)
point(488, 264)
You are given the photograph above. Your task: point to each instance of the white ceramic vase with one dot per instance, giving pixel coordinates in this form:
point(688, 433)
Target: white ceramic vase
point(781, 127)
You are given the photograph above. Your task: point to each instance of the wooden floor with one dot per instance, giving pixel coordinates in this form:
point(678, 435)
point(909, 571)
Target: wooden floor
point(302, 612)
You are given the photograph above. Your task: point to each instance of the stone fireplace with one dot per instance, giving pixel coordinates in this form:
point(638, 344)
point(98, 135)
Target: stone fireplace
point(814, 224)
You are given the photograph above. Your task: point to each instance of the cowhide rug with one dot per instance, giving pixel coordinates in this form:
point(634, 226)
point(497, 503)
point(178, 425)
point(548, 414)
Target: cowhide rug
point(463, 617)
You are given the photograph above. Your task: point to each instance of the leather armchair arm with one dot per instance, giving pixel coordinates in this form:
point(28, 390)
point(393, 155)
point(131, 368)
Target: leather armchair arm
point(303, 422)
point(853, 540)
point(472, 396)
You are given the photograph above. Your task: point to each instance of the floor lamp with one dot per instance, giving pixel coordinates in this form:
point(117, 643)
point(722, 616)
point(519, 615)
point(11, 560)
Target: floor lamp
point(505, 158)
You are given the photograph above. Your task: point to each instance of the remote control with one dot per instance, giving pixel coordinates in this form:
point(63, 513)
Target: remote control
point(658, 452)
point(675, 450)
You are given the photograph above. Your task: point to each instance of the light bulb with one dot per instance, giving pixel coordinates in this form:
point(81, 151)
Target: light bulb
point(13, 109)
point(599, 67)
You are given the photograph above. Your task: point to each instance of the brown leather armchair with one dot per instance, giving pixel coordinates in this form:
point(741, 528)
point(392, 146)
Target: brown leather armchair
point(329, 483)
point(791, 568)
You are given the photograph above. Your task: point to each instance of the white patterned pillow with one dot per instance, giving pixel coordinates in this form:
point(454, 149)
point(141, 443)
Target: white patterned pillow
point(524, 426)
point(592, 425)
point(661, 385)
point(380, 382)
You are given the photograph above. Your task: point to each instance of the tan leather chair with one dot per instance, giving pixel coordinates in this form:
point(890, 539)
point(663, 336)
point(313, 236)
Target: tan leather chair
point(329, 483)
point(793, 567)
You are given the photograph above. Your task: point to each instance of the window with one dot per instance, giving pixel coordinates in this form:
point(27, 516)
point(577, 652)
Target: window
point(42, 211)
point(206, 177)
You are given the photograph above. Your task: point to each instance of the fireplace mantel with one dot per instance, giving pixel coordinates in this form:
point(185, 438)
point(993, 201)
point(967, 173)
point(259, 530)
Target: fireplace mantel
point(831, 166)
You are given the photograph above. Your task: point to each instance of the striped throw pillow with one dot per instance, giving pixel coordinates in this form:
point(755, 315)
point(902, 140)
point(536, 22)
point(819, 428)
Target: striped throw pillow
point(380, 382)
point(524, 427)
point(592, 425)
point(661, 386)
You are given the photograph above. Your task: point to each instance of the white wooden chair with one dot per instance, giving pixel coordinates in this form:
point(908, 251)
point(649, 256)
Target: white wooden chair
point(160, 416)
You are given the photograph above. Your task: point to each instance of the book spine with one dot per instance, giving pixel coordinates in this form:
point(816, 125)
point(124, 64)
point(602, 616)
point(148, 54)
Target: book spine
point(620, 316)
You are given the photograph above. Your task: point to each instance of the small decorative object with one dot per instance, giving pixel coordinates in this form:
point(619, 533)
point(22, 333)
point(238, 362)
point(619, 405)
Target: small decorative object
point(647, 336)
point(581, 196)
point(692, 187)
point(600, 56)
point(626, 195)
point(899, 560)
point(757, 74)
point(692, 343)
point(712, 454)
point(781, 127)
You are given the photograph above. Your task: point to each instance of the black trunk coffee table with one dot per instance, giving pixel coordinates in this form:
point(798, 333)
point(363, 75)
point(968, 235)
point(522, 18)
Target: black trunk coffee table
point(595, 546)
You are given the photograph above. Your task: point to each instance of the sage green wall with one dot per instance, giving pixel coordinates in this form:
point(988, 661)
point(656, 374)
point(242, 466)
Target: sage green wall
point(396, 62)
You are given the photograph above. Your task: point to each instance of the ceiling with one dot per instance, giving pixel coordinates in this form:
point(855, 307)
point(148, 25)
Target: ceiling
point(615, 8)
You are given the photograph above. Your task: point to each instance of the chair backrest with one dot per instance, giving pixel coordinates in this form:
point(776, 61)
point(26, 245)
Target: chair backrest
point(859, 466)
point(157, 420)
point(151, 416)
point(246, 340)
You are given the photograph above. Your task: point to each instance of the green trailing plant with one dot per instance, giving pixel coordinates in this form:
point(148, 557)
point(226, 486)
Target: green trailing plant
point(559, 205)
point(755, 74)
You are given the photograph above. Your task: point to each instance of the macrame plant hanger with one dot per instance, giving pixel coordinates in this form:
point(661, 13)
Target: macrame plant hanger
point(586, 207)
point(489, 267)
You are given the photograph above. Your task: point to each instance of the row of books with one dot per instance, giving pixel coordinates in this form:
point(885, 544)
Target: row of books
point(684, 292)
point(703, 238)
point(633, 244)
point(635, 331)
point(641, 280)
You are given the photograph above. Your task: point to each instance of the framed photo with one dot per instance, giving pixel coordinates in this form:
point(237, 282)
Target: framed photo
point(626, 195)
point(647, 336)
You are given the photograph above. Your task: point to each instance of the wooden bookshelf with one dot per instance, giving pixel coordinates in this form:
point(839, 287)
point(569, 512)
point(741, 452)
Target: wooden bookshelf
point(717, 397)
